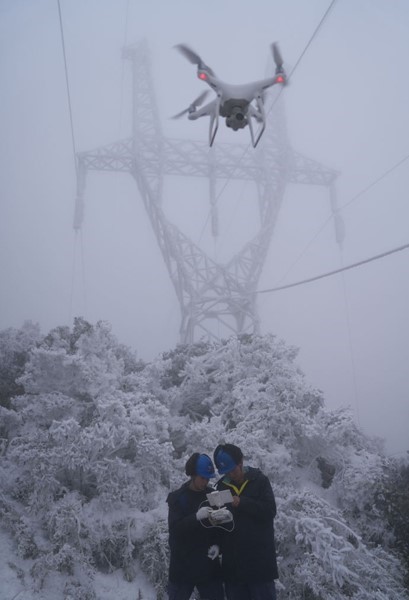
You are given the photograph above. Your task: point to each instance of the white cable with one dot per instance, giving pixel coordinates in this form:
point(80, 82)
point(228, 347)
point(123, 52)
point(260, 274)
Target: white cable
point(329, 273)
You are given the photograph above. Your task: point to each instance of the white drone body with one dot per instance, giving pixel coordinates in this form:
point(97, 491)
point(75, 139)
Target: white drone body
point(238, 104)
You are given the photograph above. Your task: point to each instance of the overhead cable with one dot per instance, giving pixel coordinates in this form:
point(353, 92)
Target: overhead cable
point(329, 273)
point(123, 66)
point(375, 182)
point(320, 24)
point(315, 33)
point(76, 238)
point(353, 199)
point(67, 85)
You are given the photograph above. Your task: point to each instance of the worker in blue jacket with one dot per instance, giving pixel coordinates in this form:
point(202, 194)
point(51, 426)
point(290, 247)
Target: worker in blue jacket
point(248, 551)
point(193, 540)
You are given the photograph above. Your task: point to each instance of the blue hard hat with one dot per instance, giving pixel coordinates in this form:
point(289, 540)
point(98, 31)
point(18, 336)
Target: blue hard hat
point(224, 462)
point(204, 467)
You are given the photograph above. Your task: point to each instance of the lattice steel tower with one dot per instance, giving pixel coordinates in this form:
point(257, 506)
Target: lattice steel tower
point(207, 291)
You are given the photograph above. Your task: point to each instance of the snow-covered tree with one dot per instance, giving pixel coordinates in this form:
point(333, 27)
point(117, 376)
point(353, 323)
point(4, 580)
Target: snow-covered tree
point(94, 439)
point(15, 345)
point(393, 502)
point(88, 452)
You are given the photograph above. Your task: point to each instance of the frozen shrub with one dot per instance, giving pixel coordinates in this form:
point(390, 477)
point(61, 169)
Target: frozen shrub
point(153, 556)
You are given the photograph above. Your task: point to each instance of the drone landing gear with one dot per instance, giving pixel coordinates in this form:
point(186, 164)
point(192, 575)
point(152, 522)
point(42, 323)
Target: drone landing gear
point(259, 115)
point(256, 138)
point(214, 122)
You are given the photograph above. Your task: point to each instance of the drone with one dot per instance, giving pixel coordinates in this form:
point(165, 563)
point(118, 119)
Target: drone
point(238, 104)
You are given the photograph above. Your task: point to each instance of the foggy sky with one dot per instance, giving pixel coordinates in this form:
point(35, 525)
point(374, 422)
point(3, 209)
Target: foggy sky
point(346, 107)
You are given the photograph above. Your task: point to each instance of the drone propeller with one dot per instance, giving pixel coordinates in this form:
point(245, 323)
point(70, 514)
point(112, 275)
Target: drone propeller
point(193, 57)
point(199, 100)
point(189, 54)
point(278, 59)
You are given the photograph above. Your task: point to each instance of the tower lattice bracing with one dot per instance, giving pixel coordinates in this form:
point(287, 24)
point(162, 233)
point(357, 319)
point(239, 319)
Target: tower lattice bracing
point(209, 293)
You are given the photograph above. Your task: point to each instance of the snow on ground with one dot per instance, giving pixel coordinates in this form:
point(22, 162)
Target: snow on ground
point(16, 582)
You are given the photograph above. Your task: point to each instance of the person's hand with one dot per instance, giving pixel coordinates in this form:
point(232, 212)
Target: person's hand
point(223, 515)
point(228, 517)
point(203, 513)
point(235, 501)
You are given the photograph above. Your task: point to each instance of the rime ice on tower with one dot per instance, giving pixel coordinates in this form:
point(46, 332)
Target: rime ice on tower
point(215, 299)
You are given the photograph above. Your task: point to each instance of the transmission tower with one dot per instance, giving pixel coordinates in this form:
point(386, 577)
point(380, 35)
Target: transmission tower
point(207, 291)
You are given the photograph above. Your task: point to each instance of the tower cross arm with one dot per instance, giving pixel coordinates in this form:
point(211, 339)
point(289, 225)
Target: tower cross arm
point(112, 157)
point(193, 158)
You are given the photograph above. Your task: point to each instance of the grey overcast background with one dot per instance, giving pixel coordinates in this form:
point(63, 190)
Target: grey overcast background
point(346, 107)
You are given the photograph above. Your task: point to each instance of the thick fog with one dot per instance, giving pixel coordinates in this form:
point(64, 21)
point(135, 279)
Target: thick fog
point(346, 107)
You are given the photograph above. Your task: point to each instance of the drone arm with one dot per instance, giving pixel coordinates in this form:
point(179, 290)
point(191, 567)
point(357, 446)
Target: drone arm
point(205, 111)
point(264, 84)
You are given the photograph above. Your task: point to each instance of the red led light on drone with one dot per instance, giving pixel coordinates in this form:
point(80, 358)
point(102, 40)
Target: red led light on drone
point(202, 76)
point(280, 79)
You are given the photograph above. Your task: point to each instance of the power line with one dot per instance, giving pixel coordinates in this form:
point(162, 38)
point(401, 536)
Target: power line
point(329, 273)
point(353, 199)
point(376, 181)
point(315, 33)
point(67, 85)
point(67, 82)
point(123, 66)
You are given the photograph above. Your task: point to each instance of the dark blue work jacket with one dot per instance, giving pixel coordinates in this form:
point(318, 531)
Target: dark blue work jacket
point(248, 552)
point(189, 540)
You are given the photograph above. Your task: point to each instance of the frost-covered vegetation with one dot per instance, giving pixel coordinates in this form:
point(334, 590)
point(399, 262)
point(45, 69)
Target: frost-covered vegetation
point(92, 440)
